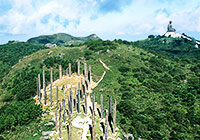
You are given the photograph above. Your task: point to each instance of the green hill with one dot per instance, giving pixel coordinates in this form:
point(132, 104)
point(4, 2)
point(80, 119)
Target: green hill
point(13, 52)
point(156, 85)
point(62, 39)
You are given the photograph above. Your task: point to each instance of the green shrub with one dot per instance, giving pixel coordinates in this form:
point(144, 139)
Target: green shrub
point(18, 113)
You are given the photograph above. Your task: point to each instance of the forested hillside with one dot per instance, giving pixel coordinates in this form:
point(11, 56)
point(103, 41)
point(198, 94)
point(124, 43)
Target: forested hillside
point(62, 39)
point(155, 81)
point(13, 52)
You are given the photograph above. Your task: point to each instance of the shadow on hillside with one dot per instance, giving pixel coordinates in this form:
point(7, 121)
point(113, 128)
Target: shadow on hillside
point(90, 127)
point(99, 112)
point(103, 127)
point(110, 119)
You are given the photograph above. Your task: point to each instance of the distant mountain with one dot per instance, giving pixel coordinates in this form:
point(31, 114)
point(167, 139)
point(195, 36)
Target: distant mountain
point(62, 39)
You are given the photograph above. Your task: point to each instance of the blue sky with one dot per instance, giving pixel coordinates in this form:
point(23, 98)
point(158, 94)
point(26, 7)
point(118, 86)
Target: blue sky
point(109, 19)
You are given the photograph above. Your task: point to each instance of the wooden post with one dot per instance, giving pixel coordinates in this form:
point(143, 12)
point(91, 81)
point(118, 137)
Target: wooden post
point(71, 100)
point(70, 70)
point(45, 95)
point(78, 107)
point(57, 97)
point(79, 90)
point(109, 111)
point(51, 76)
point(64, 103)
point(114, 115)
point(56, 108)
point(101, 106)
point(67, 71)
point(43, 74)
point(69, 120)
point(93, 126)
point(60, 123)
point(68, 102)
point(85, 70)
point(93, 103)
point(60, 72)
point(51, 94)
point(75, 100)
point(63, 95)
point(78, 67)
point(39, 88)
point(85, 103)
point(106, 125)
point(84, 89)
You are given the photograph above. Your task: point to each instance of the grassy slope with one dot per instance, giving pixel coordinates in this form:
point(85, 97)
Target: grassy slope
point(122, 56)
point(12, 52)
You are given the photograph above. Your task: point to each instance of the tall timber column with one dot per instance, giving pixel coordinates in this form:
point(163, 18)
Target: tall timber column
point(93, 116)
point(71, 100)
point(114, 115)
point(70, 70)
point(93, 103)
point(69, 120)
point(60, 123)
point(43, 75)
point(78, 67)
point(79, 89)
point(39, 88)
point(85, 70)
point(56, 108)
point(106, 125)
point(93, 126)
point(60, 72)
point(75, 101)
point(51, 75)
point(64, 108)
point(57, 97)
point(63, 88)
point(101, 106)
point(109, 111)
point(85, 103)
point(51, 95)
point(45, 95)
point(78, 107)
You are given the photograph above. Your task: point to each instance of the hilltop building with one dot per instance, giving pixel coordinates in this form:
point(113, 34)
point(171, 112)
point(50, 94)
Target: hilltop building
point(171, 32)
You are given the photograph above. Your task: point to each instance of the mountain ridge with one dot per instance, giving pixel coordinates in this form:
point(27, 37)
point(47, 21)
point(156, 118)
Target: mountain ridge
point(61, 39)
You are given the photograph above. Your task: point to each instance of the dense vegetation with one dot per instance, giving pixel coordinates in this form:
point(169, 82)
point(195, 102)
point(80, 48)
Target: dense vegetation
point(18, 113)
point(61, 39)
point(155, 81)
point(13, 52)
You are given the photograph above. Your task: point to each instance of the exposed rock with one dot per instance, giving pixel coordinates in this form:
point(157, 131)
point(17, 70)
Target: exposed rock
point(50, 123)
point(35, 134)
point(45, 138)
point(97, 52)
point(107, 50)
point(49, 45)
point(50, 52)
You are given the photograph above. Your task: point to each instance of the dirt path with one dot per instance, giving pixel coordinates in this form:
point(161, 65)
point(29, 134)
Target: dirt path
point(78, 121)
point(104, 65)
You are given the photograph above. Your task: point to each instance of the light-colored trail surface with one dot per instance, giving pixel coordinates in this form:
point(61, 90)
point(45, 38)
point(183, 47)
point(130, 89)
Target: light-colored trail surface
point(104, 65)
point(80, 121)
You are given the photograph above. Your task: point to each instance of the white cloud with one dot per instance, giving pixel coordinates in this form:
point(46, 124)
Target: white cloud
point(139, 18)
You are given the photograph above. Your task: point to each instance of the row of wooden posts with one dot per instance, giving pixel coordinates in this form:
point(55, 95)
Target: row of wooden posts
point(80, 94)
point(87, 75)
